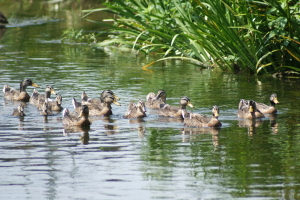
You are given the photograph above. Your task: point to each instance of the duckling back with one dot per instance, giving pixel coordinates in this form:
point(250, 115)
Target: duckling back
point(136, 111)
point(73, 119)
point(19, 111)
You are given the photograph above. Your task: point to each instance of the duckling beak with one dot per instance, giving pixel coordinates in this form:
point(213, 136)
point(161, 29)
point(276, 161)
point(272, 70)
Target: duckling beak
point(251, 109)
point(116, 97)
point(52, 91)
point(81, 114)
point(35, 85)
point(190, 105)
point(216, 114)
point(117, 103)
point(275, 100)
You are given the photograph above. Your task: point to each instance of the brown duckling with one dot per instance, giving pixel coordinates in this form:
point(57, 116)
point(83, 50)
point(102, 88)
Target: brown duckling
point(136, 110)
point(19, 111)
point(248, 110)
point(39, 99)
point(156, 101)
point(174, 111)
point(46, 109)
point(73, 119)
point(198, 120)
point(54, 105)
point(265, 109)
point(104, 109)
point(87, 101)
point(18, 95)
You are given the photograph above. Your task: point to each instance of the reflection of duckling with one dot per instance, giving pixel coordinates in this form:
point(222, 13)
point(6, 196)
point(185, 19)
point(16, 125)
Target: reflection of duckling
point(18, 95)
point(190, 134)
point(136, 111)
point(19, 111)
point(73, 119)
point(265, 109)
point(174, 111)
point(156, 101)
point(198, 120)
point(248, 110)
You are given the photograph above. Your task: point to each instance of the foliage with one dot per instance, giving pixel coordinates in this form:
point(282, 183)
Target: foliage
point(77, 36)
point(255, 36)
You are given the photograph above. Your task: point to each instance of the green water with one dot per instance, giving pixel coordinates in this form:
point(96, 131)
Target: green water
point(154, 158)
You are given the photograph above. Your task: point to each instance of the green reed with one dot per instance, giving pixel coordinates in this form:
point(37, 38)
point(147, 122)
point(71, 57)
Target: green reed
point(252, 36)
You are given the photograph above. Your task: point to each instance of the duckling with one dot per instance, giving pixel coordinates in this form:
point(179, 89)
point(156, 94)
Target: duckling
point(56, 105)
point(156, 101)
point(99, 110)
point(19, 111)
point(46, 109)
point(18, 95)
point(265, 109)
point(174, 111)
point(136, 111)
point(248, 110)
point(34, 97)
point(88, 101)
point(72, 119)
point(198, 120)
point(42, 97)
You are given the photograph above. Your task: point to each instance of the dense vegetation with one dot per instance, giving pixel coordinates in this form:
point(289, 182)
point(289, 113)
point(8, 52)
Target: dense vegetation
point(253, 36)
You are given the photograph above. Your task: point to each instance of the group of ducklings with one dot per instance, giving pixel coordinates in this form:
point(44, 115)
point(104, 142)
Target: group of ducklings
point(247, 109)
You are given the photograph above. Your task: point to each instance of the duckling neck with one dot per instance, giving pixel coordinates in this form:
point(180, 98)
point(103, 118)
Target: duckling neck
point(272, 104)
point(22, 87)
point(47, 94)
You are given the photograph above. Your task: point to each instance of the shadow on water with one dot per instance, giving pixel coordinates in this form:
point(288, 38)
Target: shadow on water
point(154, 157)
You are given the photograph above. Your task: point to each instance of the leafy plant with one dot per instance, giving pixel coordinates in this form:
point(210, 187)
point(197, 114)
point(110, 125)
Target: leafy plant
point(254, 36)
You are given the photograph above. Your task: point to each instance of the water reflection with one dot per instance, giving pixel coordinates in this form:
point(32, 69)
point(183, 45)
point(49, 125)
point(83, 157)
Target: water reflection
point(250, 124)
point(84, 137)
point(193, 134)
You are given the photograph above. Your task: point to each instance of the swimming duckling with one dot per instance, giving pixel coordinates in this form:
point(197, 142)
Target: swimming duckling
point(248, 110)
point(73, 119)
point(198, 120)
point(136, 111)
point(87, 101)
point(41, 98)
point(55, 105)
point(46, 109)
point(265, 109)
point(174, 111)
point(19, 111)
point(18, 95)
point(156, 101)
point(104, 109)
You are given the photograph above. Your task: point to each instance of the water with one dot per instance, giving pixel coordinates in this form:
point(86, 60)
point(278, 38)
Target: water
point(155, 158)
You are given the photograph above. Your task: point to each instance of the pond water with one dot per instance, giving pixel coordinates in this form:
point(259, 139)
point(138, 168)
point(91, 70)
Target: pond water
point(153, 158)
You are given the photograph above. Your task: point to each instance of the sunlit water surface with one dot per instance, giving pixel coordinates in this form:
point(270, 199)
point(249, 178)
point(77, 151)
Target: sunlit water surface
point(153, 158)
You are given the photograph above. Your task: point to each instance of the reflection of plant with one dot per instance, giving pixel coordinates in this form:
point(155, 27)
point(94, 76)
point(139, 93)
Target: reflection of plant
point(257, 36)
point(77, 36)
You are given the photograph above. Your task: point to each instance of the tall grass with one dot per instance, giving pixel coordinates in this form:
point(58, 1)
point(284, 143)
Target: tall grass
point(240, 35)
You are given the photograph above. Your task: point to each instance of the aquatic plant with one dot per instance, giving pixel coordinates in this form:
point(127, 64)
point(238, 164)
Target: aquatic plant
point(77, 36)
point(253, 36)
